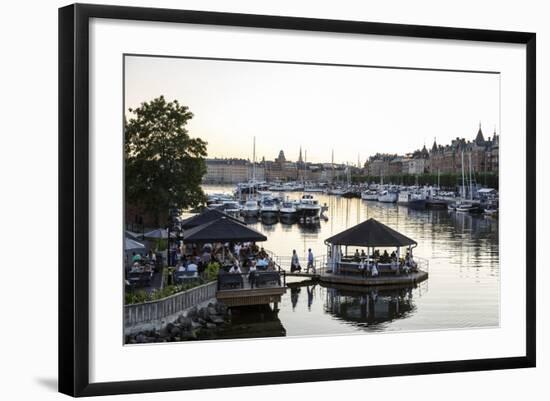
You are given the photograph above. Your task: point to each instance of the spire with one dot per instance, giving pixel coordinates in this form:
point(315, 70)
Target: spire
point(300, 156)
point(434, 146)
point(480, 140)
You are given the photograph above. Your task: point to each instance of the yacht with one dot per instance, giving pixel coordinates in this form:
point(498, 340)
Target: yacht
point(369, 194)
point(268, 207)
point(232, 208)
point(415, 200)
point(387, 196)
point(466, 207)
point(250, 209)
point(288, 212)
point(309, 206)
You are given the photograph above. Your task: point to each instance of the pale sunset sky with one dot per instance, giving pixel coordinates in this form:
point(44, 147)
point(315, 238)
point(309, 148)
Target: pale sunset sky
point(355, 111)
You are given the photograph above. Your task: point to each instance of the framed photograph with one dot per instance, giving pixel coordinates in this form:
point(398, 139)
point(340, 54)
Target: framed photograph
point(251, 199)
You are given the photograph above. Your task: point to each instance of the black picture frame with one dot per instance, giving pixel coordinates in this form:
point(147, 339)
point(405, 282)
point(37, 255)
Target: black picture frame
point(74, 198)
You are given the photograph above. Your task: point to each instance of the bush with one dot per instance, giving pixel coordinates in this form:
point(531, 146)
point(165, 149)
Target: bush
point(211, 271)
point(136, 297)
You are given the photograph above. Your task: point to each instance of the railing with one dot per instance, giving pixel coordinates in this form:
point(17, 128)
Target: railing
point(283, 263)
point(157, 310)
point(259, 279)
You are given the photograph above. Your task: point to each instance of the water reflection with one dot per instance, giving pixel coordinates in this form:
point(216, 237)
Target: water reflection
point(369, 307)
point(463, 254)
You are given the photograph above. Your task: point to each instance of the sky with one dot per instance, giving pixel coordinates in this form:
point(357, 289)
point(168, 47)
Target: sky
point(353, 111)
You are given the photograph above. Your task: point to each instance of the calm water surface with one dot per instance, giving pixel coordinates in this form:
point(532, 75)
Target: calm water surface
point(462, 290)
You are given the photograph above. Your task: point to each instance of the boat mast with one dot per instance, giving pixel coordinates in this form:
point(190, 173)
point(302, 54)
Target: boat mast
point(470, 174)
point(332, 165)
point(463, 187)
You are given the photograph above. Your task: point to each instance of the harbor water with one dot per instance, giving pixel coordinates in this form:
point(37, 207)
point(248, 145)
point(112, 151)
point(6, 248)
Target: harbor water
point(462, 290)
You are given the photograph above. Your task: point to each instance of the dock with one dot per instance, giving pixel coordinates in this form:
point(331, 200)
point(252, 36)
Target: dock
point(385, 280)
point(245, 294)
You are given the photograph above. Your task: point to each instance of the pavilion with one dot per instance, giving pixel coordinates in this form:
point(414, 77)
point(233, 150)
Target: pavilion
point(369, 234)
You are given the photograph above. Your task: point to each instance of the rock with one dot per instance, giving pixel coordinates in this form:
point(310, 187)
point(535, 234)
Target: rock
point(169, 326)
point(201, 321)
point(175, 331)
point(210, 305)
point(163, 332)
point(217, 319)
point(141, 338)
point(185, 322)
point(203, 313)
point(221, 308)
point(193, 312)
point(195, 325)
point(210, 325)
point(188, 335)
point(212, 311)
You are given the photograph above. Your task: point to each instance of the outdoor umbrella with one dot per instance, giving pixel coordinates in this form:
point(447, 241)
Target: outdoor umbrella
point(131, 245)
point(159, 233)
point(222, 230)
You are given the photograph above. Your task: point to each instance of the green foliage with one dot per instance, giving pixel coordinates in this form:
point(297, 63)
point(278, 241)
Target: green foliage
point(140, 296)
point(211, 271)
point(449, 181)
point(164, 166)
point(136, 297)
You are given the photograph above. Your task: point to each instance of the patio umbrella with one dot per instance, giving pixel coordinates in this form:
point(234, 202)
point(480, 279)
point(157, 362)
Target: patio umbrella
point(159, 233)
point(131, 245)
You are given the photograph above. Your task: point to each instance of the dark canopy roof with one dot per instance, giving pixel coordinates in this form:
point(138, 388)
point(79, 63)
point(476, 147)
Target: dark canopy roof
point(206, 216)
point(222, 230)
point(370, 233)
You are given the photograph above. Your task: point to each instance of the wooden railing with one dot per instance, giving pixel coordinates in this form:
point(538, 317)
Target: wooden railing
point(157, 310)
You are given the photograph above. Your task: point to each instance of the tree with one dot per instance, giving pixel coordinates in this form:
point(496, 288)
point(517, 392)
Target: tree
point(164, 166)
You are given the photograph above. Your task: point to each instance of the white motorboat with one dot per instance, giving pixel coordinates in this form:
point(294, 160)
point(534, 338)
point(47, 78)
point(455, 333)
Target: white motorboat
point(369, 194)
point(288, 209)
point(232, 208)
point(268, 207)
point(309, 206)
point(387, 196)
point(466, 207)
point(250, 209)
point(415, 200)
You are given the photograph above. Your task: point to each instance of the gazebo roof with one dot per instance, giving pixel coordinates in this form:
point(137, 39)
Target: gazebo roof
point(206, 216)
point(222, 230)
point(370, 233)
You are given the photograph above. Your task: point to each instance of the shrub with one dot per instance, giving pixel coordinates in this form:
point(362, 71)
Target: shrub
point(211, 271)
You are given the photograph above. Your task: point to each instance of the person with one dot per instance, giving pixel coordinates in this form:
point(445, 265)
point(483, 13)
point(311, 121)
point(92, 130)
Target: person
point(361, 268)
point(235, 269)
point(294, 262)
point(393, 256)
point(356, 256)
point(374, 271)
point(181, 266)
point(252, 274)
point(192, 267)
point(310, 261)
point(262, 254)
point(385, 256)
point(363, 254)
point(136, 257)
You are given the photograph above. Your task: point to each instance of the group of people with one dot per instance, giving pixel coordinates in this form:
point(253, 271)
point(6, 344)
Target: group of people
point(295, 262)
point(142, 263)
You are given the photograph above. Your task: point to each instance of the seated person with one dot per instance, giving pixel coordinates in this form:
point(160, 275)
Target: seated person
point(363, 254)
point(393, 256)
point(385, 258)
point(235, 269)
point(192, 268)
point(181, 267)
point(136, 257)
point(357, 256)
point(262, 254)
point(135, 267)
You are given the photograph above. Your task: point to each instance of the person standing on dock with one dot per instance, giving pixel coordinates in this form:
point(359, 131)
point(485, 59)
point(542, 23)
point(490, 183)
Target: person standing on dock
point(310, 261)
point(294, 262)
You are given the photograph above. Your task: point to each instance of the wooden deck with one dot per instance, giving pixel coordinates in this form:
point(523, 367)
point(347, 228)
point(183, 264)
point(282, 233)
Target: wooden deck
point(248, 295)
point(386, 280)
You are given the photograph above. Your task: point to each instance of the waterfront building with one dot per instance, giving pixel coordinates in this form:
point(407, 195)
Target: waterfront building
point(231, 171)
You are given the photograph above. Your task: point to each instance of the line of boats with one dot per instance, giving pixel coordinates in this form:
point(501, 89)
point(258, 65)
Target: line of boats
point(265, 205)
